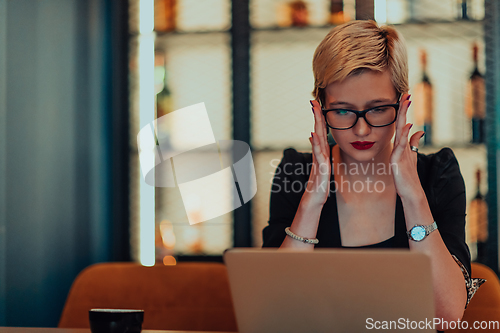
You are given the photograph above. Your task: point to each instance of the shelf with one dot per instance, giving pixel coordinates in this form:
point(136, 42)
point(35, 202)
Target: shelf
point(183, 33)
point(423, 22)
point(413, 23)
point(408, 23)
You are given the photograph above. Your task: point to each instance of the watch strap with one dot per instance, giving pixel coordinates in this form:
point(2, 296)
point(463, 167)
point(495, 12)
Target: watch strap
point(428, 229)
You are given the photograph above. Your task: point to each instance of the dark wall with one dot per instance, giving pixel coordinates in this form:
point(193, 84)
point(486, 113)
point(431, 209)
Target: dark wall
point(492, 48)
point(3, 24)
point(56, 107)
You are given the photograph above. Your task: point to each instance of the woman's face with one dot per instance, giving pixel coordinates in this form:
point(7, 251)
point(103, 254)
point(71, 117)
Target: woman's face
point(360, 92)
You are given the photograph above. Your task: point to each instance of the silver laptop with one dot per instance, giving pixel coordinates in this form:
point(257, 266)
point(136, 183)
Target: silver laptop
point(330, 290)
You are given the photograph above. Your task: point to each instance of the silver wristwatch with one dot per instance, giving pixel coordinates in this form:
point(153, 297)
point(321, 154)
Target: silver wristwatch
point(419, 232)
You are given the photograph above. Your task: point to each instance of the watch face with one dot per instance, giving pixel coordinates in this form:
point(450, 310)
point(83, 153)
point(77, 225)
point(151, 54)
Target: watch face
point(417, 233)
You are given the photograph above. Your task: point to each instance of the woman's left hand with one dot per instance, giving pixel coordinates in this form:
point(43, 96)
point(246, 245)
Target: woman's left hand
point(403, 159)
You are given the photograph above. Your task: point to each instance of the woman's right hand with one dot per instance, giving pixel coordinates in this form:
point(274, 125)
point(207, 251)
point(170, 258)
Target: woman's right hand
point(318, 186)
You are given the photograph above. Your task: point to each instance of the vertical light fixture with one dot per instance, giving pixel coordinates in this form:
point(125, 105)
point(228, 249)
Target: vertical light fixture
point(3, 164)
point(146, 116)
point(380, 11)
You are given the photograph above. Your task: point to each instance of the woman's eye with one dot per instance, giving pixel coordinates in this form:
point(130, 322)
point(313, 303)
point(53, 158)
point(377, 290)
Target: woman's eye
point(341, 112)
point(380, 110)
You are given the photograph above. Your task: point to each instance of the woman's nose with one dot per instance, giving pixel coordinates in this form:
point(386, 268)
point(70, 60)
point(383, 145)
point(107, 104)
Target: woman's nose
point(362, 128)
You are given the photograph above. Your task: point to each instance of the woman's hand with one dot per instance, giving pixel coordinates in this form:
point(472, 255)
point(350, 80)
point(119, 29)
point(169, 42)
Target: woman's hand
point(403, 159)
point(318, 185)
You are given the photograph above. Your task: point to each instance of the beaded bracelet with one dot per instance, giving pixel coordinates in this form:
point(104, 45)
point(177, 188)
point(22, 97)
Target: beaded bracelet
point(302, 239)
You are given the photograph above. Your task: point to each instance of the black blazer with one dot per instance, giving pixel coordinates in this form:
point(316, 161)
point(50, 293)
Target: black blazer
point(439, 175)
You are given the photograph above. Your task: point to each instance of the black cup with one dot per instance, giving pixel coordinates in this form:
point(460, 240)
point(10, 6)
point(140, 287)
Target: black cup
point(116, 320)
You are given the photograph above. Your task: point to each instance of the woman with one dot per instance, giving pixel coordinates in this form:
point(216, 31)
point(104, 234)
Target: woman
point(367, 191)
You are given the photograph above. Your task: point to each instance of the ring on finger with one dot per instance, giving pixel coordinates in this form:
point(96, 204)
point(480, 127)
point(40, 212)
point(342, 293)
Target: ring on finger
point(413, 148)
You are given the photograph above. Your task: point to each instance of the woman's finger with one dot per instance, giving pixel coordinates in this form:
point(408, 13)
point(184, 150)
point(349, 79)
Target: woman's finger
point(317, 151)
point(415, 138)
point(320, 125)
point(312, 148)
point(322, 134)
point(404, 135)
point(400, 146)
point(401, 118)
point(316, 147)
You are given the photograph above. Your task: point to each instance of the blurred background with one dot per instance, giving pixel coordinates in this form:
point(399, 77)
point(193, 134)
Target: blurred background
point(79, 79)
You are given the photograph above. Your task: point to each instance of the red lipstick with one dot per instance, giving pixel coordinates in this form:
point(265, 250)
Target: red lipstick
point(362, 145)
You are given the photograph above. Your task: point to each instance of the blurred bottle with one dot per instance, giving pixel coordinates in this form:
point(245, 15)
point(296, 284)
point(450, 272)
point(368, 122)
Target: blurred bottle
point(164, 95)
point(477, 222)
point(299, 13)
point(165, 15)
point(337, 15)
point(424, 101)
point(284, 14)
point(193, 239)
point(475, 105)
point(462, 6)
point(470, 9)
point(164, 242)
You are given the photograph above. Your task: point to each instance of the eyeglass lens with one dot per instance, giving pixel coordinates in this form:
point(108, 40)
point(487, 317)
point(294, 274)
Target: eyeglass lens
point(380, 116)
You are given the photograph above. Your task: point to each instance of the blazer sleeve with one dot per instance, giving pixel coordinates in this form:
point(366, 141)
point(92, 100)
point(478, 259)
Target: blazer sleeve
point(289, 183)
point(448, 209)
point(448, 204)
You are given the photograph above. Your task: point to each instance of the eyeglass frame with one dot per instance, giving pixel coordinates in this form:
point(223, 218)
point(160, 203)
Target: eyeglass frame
point(363, 113)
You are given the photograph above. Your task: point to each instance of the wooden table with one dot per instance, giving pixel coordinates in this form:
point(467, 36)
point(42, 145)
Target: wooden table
point(75, 330)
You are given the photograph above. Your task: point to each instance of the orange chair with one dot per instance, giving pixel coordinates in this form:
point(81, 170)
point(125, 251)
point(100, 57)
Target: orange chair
point(485, 305)
point(187, 296)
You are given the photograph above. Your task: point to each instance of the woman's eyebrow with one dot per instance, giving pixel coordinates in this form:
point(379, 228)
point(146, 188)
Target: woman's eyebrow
point(380, 100)
point(339, 103)
point(373, 101)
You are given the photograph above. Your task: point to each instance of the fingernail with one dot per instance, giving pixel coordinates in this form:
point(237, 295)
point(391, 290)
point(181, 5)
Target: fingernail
point(311, 103)
point(411, 126)
point(312, 109)
point(407, 98)
point(409, 104)
point(311, 134)
point(422, 135)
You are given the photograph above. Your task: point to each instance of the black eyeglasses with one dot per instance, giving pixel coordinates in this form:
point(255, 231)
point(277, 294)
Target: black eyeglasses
point(378, 116)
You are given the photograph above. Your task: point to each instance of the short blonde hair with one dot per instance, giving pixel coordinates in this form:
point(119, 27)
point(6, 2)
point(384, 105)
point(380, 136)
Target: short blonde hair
point(356, 46)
